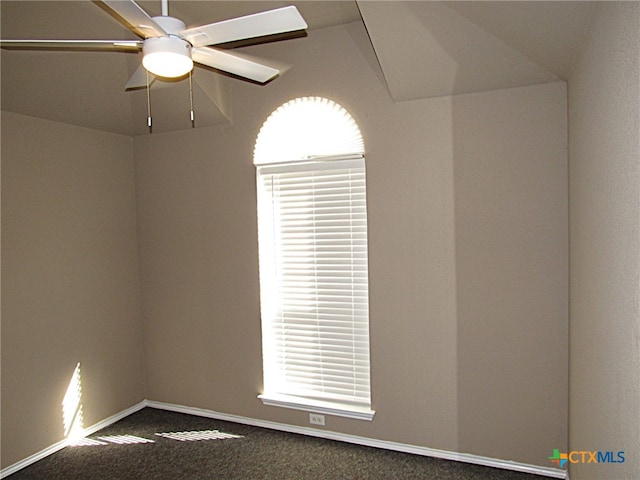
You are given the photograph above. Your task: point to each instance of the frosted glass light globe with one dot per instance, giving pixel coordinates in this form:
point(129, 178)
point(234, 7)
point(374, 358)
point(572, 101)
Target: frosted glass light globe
point(167, 56)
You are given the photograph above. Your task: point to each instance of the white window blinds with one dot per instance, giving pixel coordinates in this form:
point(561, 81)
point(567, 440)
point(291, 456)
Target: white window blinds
point(314, 285)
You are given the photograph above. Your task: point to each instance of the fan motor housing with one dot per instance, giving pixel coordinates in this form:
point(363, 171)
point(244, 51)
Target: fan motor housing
point(170, 25)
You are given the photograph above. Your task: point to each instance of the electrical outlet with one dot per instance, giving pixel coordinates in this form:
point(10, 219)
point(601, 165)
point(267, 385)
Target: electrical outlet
point(316, 419)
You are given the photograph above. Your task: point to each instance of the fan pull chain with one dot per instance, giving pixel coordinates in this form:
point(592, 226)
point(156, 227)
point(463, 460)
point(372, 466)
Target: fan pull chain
point(193, 122)
point(149, 105)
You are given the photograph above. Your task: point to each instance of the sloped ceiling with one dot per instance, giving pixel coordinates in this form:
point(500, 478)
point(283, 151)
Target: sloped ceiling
point(430, 49)
point(549, 33)
point(425, 49)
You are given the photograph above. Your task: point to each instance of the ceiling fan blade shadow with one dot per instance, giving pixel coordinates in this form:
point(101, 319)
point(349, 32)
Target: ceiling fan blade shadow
point(276, 37)
point(271, 22)
point(130, 14)
point(234, 64)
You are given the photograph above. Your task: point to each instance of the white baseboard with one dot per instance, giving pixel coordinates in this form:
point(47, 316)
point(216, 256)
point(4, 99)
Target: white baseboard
point(114, 418)
point(369, 442)
point(5, 472)
point(343, 437)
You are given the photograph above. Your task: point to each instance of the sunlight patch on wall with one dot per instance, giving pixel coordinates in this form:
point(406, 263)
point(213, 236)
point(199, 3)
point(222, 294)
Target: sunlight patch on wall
point(72, 420)
point(198, 435)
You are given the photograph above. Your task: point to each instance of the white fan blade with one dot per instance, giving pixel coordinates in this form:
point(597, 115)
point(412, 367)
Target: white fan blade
point(136, 18)
point(139, 79)
point(117, 45)
point(271, 22)
point(234, 64)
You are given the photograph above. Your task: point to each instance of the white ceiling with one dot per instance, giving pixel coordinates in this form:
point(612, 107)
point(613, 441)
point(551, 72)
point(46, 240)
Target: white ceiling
point(425, 49)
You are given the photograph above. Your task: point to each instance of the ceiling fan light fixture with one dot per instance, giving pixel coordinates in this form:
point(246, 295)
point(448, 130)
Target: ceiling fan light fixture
point(168, 57)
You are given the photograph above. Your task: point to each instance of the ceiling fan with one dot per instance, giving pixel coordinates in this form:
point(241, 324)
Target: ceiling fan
point(170, 49)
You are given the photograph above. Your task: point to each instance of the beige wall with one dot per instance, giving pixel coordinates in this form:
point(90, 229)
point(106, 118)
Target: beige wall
point(70, 286)
point(510, 172)
point(468, 257)
point(604, 100)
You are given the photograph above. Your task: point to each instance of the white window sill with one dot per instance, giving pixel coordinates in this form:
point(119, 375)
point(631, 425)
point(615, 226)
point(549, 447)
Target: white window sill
point(317, 406)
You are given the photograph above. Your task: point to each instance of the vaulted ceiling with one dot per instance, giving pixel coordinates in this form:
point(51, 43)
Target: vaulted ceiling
point(425, 49)
point(430, 49)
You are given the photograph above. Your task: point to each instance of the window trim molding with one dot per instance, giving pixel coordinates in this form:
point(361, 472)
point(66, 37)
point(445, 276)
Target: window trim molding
point(310, 165)
point(317, 406)
point(295, 163)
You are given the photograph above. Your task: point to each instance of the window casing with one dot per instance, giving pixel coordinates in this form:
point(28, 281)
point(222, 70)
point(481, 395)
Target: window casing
point(312, 226)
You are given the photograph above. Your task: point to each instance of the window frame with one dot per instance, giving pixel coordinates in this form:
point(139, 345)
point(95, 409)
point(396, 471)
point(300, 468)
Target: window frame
point(274, 395)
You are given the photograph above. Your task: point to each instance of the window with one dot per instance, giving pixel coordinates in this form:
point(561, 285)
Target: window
point(312, 226)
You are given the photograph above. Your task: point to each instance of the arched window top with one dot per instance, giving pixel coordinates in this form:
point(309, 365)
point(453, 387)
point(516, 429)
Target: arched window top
point(305, 128)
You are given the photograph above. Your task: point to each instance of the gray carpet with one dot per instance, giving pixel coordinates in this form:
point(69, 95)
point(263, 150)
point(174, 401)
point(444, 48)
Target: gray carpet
point(256, 454)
